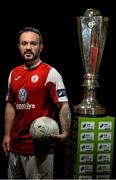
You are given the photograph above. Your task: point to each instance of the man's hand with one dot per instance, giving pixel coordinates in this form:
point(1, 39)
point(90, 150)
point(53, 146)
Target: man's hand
point(60, 137)
point(6, 144)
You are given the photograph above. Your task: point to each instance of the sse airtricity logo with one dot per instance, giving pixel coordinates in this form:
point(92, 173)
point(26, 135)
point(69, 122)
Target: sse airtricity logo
point(22, 94)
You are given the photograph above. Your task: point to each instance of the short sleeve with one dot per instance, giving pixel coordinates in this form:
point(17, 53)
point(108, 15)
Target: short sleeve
point(56, 85)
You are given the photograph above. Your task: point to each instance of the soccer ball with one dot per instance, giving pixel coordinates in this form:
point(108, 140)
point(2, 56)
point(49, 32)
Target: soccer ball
point(42, 128)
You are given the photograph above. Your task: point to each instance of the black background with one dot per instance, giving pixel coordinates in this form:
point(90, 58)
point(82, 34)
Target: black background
point(57, 23)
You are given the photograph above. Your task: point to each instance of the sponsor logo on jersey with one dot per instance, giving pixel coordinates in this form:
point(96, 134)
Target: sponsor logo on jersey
point(34, 78)
point(61, 92)
point(22, 94)
point(23, 97)
point(25, 106)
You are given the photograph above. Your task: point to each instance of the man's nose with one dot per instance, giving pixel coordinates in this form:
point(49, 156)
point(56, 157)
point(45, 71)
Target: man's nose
point(28, 46)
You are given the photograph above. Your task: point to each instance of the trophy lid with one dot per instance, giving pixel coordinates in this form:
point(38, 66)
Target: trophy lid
point(92, 12)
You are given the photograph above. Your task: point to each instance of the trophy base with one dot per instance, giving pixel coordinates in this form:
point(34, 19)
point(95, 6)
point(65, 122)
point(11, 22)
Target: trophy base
point(89, 111)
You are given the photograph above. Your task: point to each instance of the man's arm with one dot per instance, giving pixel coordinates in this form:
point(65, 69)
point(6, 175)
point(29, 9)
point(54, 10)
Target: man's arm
point(65, 120)
point(9, 119)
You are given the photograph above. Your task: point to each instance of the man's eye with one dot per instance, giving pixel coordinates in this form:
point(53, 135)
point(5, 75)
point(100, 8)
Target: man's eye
point(23, 43)
point(33, 43)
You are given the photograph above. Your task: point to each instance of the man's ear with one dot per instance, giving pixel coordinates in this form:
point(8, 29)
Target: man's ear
point(41, 47)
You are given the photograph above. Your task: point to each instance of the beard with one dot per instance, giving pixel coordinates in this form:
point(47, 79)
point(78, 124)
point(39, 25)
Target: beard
point(30, 56)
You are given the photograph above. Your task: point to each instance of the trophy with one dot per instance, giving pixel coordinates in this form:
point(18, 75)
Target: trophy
point(92, 30)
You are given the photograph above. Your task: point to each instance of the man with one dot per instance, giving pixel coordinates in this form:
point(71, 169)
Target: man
point(33, 88)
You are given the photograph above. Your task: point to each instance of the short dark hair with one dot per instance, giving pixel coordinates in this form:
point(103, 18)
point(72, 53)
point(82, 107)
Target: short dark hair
point(30, 29)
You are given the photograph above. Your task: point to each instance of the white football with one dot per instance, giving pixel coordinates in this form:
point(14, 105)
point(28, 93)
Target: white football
point(42, 128)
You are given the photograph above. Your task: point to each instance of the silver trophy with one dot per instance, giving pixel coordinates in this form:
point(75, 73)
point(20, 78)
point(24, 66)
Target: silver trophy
point(92, 30)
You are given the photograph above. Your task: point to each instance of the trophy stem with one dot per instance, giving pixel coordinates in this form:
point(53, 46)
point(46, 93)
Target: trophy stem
point(89, 105)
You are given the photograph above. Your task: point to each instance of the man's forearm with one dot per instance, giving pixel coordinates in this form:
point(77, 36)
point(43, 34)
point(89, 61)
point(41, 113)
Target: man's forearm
point(65, 117)
point(9, 118)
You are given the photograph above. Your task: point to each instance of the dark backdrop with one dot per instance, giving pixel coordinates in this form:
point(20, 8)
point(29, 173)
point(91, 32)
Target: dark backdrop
point(57, 23)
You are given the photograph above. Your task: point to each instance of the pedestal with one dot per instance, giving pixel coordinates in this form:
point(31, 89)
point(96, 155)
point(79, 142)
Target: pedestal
point(89, 150)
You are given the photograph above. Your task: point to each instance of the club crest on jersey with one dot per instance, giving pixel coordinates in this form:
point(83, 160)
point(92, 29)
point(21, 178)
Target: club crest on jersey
point(22, 94)
point(34, 78)
point(61, 92)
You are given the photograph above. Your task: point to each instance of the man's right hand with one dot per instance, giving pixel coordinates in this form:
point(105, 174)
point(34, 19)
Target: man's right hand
point(6, 144)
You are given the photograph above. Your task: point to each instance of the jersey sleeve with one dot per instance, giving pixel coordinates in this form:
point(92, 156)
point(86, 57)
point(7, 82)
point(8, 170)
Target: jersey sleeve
point(56, 86)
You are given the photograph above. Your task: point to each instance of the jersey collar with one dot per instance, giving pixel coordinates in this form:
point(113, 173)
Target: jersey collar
point(32, 67)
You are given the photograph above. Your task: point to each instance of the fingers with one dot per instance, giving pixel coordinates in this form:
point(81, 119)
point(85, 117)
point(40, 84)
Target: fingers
point(6, 148)
point(60, 137)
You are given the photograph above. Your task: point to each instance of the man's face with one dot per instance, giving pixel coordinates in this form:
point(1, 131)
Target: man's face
point(29, 46)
